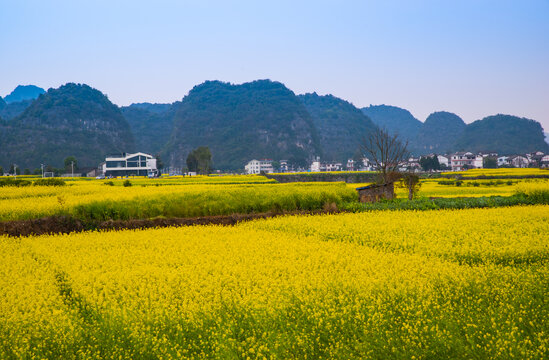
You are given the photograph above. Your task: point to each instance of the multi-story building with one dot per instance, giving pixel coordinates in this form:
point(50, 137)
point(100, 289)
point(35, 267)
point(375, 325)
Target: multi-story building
point(317, 166)
point(350, 165)
point(466, 160)
point(136, 164)
point(544, 162)
point(443, 160)
point(519, 161)
point(503, 160)
point(258, 166)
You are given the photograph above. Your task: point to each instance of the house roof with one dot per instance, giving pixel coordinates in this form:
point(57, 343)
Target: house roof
point(373, 186)
point(128, 155)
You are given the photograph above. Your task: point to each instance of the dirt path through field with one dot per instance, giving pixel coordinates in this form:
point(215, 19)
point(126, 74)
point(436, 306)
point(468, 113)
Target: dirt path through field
point(65, 224)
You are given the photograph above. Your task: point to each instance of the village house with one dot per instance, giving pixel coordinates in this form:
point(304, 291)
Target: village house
point(376, 192)
point(443, 160)
point(317, 166)
point(519, 161)
point(466, 160)
point(258, 166)
point(350, 165)
point(544, 162)
point(136, 164)
point(503, 160)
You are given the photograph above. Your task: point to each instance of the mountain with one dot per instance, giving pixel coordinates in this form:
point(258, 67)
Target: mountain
point(24, 92)
point(340, 125)
point(438, 133)
point(504, 134)
point(259, 119)
point(396, 120)
point(153, 108)
point(151, 125)
point(11, 110)
point(73, 120)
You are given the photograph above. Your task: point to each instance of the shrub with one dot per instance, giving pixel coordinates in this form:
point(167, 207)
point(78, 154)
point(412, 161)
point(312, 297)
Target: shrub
point(108, 183)
point(127, 183)
point(12, 182)
point(49, 182)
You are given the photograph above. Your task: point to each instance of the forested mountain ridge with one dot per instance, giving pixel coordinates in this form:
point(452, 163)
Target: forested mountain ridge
point(259, 119)
point(73, 120)
point(445, 132)
point(394, 119)
point(340, 125)
point(18, 100)
point(24, 92)
point(504, 134)
point(151, 125)
point(438, 133)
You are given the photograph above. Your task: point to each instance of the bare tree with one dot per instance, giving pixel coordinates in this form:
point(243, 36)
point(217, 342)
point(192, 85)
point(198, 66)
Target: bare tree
point(386, 151)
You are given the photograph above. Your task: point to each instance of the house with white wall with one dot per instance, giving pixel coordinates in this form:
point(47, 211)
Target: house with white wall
point(258, 166)
point(135, 164)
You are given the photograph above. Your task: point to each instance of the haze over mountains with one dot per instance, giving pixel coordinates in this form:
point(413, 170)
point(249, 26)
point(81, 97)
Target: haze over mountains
point(260, 119)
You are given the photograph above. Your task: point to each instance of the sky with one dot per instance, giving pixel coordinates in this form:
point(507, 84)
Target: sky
point(474, 58)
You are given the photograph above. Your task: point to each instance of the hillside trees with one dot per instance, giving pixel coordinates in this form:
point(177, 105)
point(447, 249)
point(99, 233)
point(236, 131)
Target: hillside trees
point(200, 160)
point(429, 163)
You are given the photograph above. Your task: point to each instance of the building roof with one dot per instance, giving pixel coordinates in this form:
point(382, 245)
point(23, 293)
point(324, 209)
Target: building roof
point(373, 186)
point(128, 155)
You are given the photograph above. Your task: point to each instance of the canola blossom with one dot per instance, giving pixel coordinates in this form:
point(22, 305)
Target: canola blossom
point(402, 284)
point(210, 195)
point(94, 200)
point(522, 172)
point(468, 188)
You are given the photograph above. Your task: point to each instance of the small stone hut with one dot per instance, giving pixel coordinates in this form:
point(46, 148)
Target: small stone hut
point(376, 192)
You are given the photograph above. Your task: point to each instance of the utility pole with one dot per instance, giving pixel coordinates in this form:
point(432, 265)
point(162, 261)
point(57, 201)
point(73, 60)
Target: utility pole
point(15, 171)
point(42, 167)
point(72, 168)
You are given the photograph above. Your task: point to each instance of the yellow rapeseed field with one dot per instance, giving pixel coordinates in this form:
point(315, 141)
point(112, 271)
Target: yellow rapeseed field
point(500, 172)
point(93, 199)
point(401, 284)
point(469, 188)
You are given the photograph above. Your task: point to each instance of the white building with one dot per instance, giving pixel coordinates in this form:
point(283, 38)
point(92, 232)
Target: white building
point(519, 161)
point(544, 162)
point(350, 165)
point(258, 166)
point(443, 160)
point(136, 164)
point(466, 160)
point(503, 160)
point(479, 162)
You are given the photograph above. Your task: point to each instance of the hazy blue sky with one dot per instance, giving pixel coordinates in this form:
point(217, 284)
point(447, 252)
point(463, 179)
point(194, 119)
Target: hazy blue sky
point(474, 58)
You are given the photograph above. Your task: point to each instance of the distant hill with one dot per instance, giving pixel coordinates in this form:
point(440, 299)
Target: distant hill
point(340, 125)
point(24, 92)
point(547, 138)
point(260, 119)
point(394, 119)
point(73, 120)
point(438, 133)
point(504, 134)
point(150, 107)
point(151, 125)
point(11, 110)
